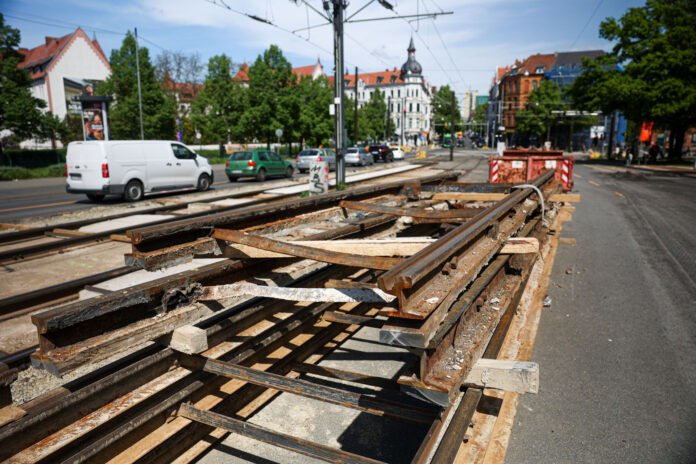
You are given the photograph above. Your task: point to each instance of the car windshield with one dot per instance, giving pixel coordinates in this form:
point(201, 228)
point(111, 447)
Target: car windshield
point(352, 150)
point(241, 156)
point(309, 153)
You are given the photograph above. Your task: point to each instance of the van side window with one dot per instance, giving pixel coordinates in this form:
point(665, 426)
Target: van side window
point(182, 152)
point(263, 156)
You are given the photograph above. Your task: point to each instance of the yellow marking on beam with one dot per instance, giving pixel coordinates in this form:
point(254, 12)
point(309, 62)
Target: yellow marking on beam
point(38, 206)
point(619, 194)
point(593, 183)
point(601, 169)
point(578, 176)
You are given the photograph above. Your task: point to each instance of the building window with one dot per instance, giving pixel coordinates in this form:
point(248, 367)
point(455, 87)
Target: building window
point(417, 107)
point(393, 79)
point(380, 79)
point(416, 92)
point(399, 107)
point(398, 93)
point(517, 86)
point(392, 92)
point(534, 84)
point(410, 107)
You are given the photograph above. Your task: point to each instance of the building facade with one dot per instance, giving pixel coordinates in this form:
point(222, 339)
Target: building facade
point(407, 95)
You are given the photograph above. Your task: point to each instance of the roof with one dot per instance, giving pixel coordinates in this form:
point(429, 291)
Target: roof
point(42, 54)
point(304, 71)
point(534, 62)
point(501, 71)
point(373, 78)
point(51, 49)
point(243, 73)
point(571, 60)
point(186, 90)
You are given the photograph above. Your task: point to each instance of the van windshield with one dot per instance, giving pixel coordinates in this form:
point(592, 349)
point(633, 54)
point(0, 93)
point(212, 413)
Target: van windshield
point(240, 156)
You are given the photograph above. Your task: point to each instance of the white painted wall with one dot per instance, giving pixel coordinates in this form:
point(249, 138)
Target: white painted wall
point(80, 61)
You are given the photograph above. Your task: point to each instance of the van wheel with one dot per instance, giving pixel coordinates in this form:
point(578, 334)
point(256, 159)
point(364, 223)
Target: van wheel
point(261, 175)
point(288, 172)
point(95, 197)
point(134, 191)
point(203, 183)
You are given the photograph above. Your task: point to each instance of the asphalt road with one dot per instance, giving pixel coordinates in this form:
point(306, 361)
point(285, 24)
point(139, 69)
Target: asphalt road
point(617, 347)
point(23, 199)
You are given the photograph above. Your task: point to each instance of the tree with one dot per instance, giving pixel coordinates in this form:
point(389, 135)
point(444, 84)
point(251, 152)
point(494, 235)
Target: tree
point(649, 75)
point(180, 66)
point(374, 111)
point(219, 107)
point(272, 104)
point(315, 124)
point(537, 117)
point(158, 111)
point(442, 109)
point(20, 112)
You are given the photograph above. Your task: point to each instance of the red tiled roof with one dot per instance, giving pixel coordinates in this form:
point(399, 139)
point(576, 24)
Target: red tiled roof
point(502, 71)
point(304, 71)
point(243, 73)
point(531, 64)
point(372, 78)
point(42, 54)
point(187, 91)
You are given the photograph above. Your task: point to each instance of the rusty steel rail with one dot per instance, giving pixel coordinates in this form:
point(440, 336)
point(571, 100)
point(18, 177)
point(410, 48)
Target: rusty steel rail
point(455, 215)
point(159, 384)
point(417, 267)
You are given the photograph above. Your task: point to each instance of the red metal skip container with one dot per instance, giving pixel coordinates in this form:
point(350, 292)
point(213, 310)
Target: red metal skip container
point(522, 166)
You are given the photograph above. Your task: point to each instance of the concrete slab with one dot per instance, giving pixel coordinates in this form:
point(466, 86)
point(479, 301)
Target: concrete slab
point(142, 276)
point(232, 201)
point(349, 179)
point(134, 221)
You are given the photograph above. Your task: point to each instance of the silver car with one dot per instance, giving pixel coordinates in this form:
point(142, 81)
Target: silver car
point(359, 156)
point(316, 154)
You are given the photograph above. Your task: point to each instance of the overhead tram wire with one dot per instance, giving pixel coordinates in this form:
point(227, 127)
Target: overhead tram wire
point(594, 12)
point(222, 4)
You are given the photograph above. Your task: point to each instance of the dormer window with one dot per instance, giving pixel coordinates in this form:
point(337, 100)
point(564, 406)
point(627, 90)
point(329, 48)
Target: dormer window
point(539, 69)
point(380, 79)
point(393, 79)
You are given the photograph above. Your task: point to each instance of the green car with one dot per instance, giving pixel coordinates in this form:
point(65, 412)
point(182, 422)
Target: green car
point(257, 163)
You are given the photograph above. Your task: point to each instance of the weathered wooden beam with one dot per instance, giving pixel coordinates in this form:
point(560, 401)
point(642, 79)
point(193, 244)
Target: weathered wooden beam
point(328, 295)
point(372, 247)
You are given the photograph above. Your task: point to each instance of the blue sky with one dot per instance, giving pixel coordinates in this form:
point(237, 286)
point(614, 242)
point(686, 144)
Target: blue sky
point(480, 35)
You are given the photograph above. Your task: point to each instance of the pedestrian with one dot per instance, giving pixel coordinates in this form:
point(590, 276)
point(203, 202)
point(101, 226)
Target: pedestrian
point(629, 156)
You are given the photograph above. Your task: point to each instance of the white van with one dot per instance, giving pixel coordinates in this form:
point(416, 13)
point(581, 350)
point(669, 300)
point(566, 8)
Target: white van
point(134, 168)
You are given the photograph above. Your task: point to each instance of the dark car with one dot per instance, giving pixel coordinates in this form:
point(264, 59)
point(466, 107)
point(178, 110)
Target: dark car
point(381, 152)
point(257, 163)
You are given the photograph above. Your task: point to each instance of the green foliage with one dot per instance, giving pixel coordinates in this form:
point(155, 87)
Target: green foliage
point(57, 170)
point(314, 123)
point(158, 110)
point(479, 115)
point(271, 105)
point(371, 118)
point(220, 105)
point(20, 158)
point(655, 47)
point(442, 109)
point(20, 112)
point(537, 117)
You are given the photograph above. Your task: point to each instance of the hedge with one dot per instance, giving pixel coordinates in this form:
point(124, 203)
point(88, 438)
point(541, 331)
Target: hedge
point(32, 158)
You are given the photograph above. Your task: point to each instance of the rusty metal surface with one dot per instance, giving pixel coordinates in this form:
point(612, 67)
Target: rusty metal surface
point(430, 214)
point(272, 210)
point(404, 276)
point(346, 259)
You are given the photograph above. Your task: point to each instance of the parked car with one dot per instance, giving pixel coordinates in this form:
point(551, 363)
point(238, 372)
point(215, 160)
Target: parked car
point(257, 163)
point(382, 152)
point(134, 168)
point(397, 152)
point(316, 154)
point(359, 156)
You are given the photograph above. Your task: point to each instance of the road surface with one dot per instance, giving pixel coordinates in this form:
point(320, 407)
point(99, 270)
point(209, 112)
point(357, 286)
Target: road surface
point(617, 347)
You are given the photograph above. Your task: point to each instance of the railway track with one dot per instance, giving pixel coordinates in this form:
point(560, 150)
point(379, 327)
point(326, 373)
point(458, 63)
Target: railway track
point(195, 367)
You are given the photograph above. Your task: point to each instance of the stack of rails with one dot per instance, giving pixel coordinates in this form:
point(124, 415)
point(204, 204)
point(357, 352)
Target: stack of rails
point(452, 302)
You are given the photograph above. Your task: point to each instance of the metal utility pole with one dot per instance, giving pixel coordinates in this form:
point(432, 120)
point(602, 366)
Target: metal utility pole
point(140, 96)
point(403, 119)
point(338, 7)
point(355, 113)
point(452, 131)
